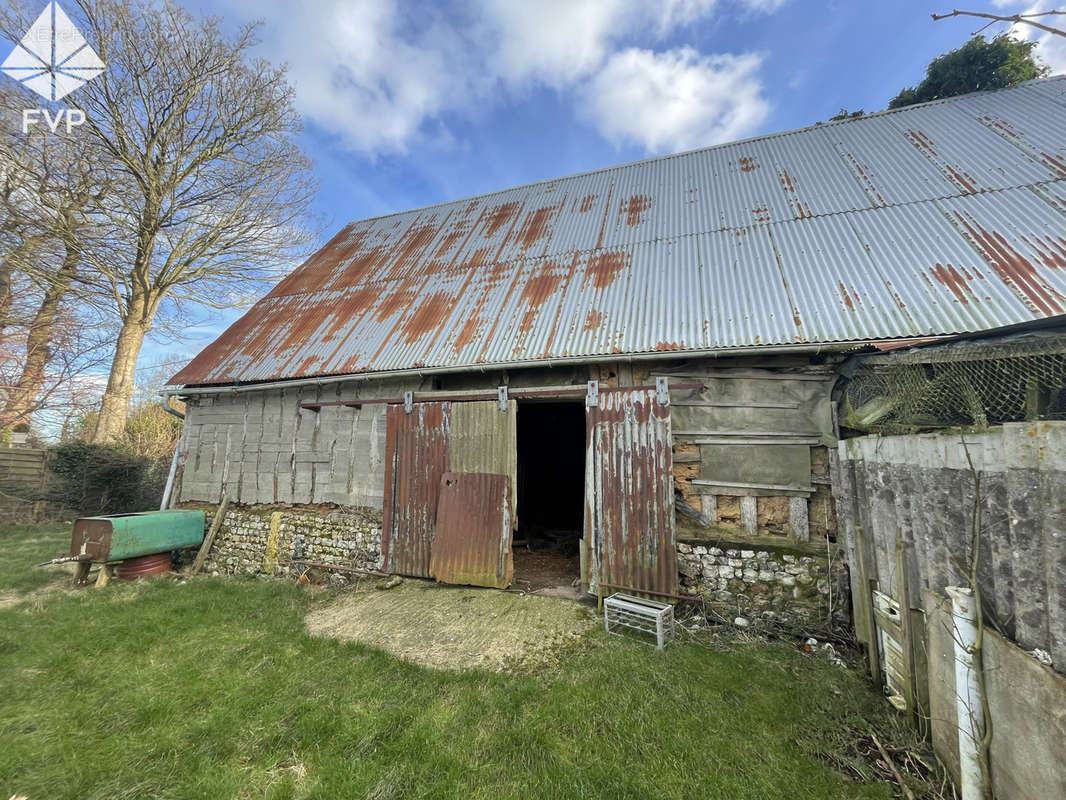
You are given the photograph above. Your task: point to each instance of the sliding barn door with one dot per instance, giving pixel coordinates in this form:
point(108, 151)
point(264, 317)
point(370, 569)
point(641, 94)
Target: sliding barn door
point(421, 445)
point(629, 494)
point(416, 446)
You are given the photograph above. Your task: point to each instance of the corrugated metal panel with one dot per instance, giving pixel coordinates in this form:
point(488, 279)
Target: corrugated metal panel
point(943, 218)
point(417, 457)
point(629, 494)
point(484, 439)
point(472, 545)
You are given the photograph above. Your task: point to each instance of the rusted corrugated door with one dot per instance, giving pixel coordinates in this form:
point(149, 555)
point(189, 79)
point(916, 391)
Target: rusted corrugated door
point(472, 544)
point(482, 438)
point(416, 445)
point(629, 497)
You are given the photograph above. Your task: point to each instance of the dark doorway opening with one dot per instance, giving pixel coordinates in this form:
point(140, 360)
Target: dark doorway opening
point(551, 494)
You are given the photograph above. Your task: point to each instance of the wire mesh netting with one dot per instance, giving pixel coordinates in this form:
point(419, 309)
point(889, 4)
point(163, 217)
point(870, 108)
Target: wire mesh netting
point(969, 386)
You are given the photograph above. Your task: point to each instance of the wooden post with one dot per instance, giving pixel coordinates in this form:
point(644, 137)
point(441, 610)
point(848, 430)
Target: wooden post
point(81, 572)
point(209, 540)
point(906, 635)
point(104, 577)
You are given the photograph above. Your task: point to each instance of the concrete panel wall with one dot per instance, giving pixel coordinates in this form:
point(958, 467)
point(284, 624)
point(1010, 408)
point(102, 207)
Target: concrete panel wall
point(921, 489)
point(1027, 702)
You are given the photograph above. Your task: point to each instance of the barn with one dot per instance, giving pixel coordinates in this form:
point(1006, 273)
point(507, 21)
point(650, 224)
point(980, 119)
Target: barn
point(622, 379)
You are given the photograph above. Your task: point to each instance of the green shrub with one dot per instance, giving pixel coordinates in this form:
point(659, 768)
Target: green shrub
point(105, 479)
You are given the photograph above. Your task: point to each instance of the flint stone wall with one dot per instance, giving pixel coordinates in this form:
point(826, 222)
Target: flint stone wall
point(266, 541)
point(763, 585)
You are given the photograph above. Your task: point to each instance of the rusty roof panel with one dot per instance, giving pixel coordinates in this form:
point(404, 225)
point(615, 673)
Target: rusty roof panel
point(942, 218)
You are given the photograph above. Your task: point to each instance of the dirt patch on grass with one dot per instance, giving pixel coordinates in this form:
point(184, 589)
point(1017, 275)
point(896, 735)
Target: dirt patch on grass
point(456, 627)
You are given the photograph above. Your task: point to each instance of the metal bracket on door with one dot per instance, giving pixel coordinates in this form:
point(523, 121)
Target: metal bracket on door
point(408, 402)
point(501, 395)
point(662, 390)
point(592, 394)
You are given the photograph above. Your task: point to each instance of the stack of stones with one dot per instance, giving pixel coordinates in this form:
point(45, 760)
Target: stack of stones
point(792, 589)
point(264, 542)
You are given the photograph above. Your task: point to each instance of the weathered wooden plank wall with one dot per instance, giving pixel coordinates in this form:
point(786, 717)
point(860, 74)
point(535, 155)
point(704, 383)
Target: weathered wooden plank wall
point(261, 447)
point(921, 489)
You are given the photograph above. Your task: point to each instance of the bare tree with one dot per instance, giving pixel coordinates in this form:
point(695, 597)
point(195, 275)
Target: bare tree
point(50, 201)
point(203, 137)
point(1015, 19)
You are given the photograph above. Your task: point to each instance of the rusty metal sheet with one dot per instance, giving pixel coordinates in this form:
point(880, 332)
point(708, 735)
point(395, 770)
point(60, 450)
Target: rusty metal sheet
point(472, 545)
point(629, 494)
point(943, 218)
point(484, 439)
point(416, 447)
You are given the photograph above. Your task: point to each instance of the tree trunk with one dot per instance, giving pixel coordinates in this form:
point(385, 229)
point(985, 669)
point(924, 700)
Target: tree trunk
point(21, 402)
point(115, 406)
point(6, 271)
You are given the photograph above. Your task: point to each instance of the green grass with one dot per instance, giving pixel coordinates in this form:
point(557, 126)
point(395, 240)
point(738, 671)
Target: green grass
point(211, 688)
point(26, 545)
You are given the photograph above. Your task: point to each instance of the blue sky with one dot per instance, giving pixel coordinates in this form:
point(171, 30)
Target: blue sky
point(407, 104)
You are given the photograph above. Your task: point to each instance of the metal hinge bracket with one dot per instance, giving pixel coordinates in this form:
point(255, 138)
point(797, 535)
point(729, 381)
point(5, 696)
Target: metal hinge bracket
point(592, 394)
point(662, 390)
point(501, 395)
point(408, 402)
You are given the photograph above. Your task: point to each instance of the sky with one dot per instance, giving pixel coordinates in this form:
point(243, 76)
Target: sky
point(406, 104)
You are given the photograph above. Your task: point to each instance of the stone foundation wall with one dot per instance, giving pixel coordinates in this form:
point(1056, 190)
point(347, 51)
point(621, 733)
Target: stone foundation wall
point(264, 541)
point(793, 589)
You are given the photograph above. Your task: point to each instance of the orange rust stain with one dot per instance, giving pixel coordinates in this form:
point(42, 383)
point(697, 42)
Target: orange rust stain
point(1001, 125)
point(796, 318)
point(450, 238)
point(468, 333)
point(1013, 268)
point(866, 179)
point(499, 216)
point(602, 268)
point(1054, 163)
point(1050, 250)
point(606, 211)
point(536, 291)
point(787, 182)
point(415, 239)
point(633, 209)
point(950, 277)
point(761, 213)
point(395, 301)
point(663, 346)
point(535, 226)
point(963, 179)
point(316, 272)
point(360, 268)
point(593, 320)
point(586, 203)
point(748, 164)
point(926, 146)
point(429, 315)
point(921, 141)
point(847, 297)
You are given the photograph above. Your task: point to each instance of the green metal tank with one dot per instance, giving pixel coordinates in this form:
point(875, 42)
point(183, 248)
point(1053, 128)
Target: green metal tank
point(122, 536)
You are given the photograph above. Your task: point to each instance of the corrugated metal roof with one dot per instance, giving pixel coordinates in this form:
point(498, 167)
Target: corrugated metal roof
point(947, 217)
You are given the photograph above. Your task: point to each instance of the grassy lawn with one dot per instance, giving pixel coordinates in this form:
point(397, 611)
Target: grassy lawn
point(212, 688)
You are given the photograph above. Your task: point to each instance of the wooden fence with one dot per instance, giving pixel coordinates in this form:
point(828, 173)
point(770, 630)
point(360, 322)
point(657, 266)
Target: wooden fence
point(23, 483)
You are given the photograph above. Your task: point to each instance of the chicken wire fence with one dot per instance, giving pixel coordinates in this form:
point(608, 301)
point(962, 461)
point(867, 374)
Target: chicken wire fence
point(961, 385)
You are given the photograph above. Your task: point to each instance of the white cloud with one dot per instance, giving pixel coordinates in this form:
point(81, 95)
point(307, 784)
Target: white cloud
point(677, 100)
point(375, 72)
